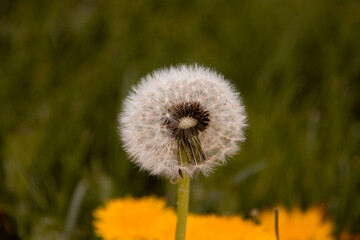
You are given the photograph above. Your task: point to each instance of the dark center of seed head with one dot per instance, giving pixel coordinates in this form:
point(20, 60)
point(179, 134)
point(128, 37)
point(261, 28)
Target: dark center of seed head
point(184, 122)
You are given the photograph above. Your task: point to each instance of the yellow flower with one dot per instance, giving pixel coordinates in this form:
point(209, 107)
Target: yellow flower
point(135, 219)
point(213, 227)
point(149, 219)
point(298, 225)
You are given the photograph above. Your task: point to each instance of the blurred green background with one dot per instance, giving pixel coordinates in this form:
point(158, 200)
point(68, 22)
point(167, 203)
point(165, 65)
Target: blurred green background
point(66, 65)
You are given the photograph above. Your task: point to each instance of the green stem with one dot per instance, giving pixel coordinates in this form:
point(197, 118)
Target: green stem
point(182, 206)
point(277, 223)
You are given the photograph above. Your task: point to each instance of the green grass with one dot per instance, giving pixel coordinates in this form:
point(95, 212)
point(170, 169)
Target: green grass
point(65, 66)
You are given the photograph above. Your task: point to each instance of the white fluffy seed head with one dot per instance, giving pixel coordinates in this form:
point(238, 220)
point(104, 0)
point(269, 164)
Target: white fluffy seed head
point(211, 110)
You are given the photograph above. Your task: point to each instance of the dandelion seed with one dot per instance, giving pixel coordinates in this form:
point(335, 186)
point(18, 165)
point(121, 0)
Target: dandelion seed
point(188, 110)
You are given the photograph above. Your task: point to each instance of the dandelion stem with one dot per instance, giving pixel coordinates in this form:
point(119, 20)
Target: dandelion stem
point(182, 206)
point(277, 223)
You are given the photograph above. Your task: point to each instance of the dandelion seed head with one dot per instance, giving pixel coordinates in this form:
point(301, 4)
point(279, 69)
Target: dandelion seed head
point(188, 108)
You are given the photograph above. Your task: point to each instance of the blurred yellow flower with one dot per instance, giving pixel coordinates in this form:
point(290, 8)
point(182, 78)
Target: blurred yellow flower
point(298, 225)
point(213, 227)
point(132, 219)
point(148, 218)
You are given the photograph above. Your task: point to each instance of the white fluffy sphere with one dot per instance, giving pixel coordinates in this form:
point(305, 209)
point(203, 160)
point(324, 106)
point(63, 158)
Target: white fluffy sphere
point(188, 107)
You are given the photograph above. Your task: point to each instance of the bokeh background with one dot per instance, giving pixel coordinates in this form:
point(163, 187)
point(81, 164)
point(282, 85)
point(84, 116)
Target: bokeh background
point(65, 67)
